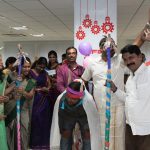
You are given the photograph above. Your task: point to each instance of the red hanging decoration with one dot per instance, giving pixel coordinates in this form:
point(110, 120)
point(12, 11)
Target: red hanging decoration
point(107, 25)
point(95, 29)
point(80, 34)
point(87, 22)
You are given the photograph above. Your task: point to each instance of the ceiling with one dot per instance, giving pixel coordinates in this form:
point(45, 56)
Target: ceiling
point(54, 18)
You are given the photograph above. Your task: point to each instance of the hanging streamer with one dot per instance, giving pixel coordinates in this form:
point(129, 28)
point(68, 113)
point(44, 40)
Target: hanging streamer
point(87, 22)
point(95, 29)
point(107, 26)
point(80, 34)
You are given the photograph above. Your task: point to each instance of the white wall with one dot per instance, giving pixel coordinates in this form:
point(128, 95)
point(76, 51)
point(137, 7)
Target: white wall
point(146, 50)
point(36, 49)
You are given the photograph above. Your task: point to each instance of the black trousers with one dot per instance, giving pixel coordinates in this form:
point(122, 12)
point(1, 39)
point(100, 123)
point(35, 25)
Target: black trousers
point(136, 142)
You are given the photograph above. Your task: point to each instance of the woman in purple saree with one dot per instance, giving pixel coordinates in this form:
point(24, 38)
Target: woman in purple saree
point(41, 109)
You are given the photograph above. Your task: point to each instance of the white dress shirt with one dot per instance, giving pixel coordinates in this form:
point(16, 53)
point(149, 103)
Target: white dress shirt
point(97, 70)
point(137, 101)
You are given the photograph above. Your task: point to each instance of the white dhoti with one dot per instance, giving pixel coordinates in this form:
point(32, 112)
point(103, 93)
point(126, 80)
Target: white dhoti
point(117, 122)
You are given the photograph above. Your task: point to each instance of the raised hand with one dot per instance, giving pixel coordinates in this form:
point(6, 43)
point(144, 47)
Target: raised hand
point(20, 90)
point(4, 99)
point(19, 78)
point(112, 85)
point(2, 117)
point(147, 35)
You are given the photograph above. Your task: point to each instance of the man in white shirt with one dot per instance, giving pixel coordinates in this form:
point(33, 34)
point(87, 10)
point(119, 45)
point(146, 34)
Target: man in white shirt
point(97, 70)
point(137, 100)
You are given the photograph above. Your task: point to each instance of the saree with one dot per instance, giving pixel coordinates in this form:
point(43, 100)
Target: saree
point(11, 120)
point(41, 114)
point(3, 139)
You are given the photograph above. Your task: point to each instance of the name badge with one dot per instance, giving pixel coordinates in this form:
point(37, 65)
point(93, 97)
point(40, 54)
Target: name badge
point(51, 72)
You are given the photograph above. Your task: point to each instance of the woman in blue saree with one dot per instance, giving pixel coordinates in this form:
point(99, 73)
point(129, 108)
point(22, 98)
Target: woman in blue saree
point(41, 109)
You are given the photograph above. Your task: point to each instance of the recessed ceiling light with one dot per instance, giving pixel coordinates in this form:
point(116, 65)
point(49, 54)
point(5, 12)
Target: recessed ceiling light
point(14, 34)
point(1, 47)
point(2, 17)
point(20, 28)
point(37, 35)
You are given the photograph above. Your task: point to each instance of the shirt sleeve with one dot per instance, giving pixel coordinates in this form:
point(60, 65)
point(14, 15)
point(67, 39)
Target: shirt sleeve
point(60, 80)
point(121, 95)
point(126, 71)
point(87, 74)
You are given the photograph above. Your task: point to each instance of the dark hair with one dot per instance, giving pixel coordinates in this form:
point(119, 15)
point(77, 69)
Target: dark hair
point(28, 59)
point(63, 55)
point(34, 64)
point(102, 42)
point(52, 52)
point(22, 62)
point(41, 60)
point(10, 60)
point(131, 49)
point(71, 47)
point(143, 57)
point(75, 86)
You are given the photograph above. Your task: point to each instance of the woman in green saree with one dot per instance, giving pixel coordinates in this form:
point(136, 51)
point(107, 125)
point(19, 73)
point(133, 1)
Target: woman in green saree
point(3, 139)
point(25, 93)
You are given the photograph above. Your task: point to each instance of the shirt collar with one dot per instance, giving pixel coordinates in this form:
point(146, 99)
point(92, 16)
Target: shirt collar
point(140, 69)
point(115, 55)
point(77, 65)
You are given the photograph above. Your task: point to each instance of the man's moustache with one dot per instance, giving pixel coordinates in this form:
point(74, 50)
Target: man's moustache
point(130, 64)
